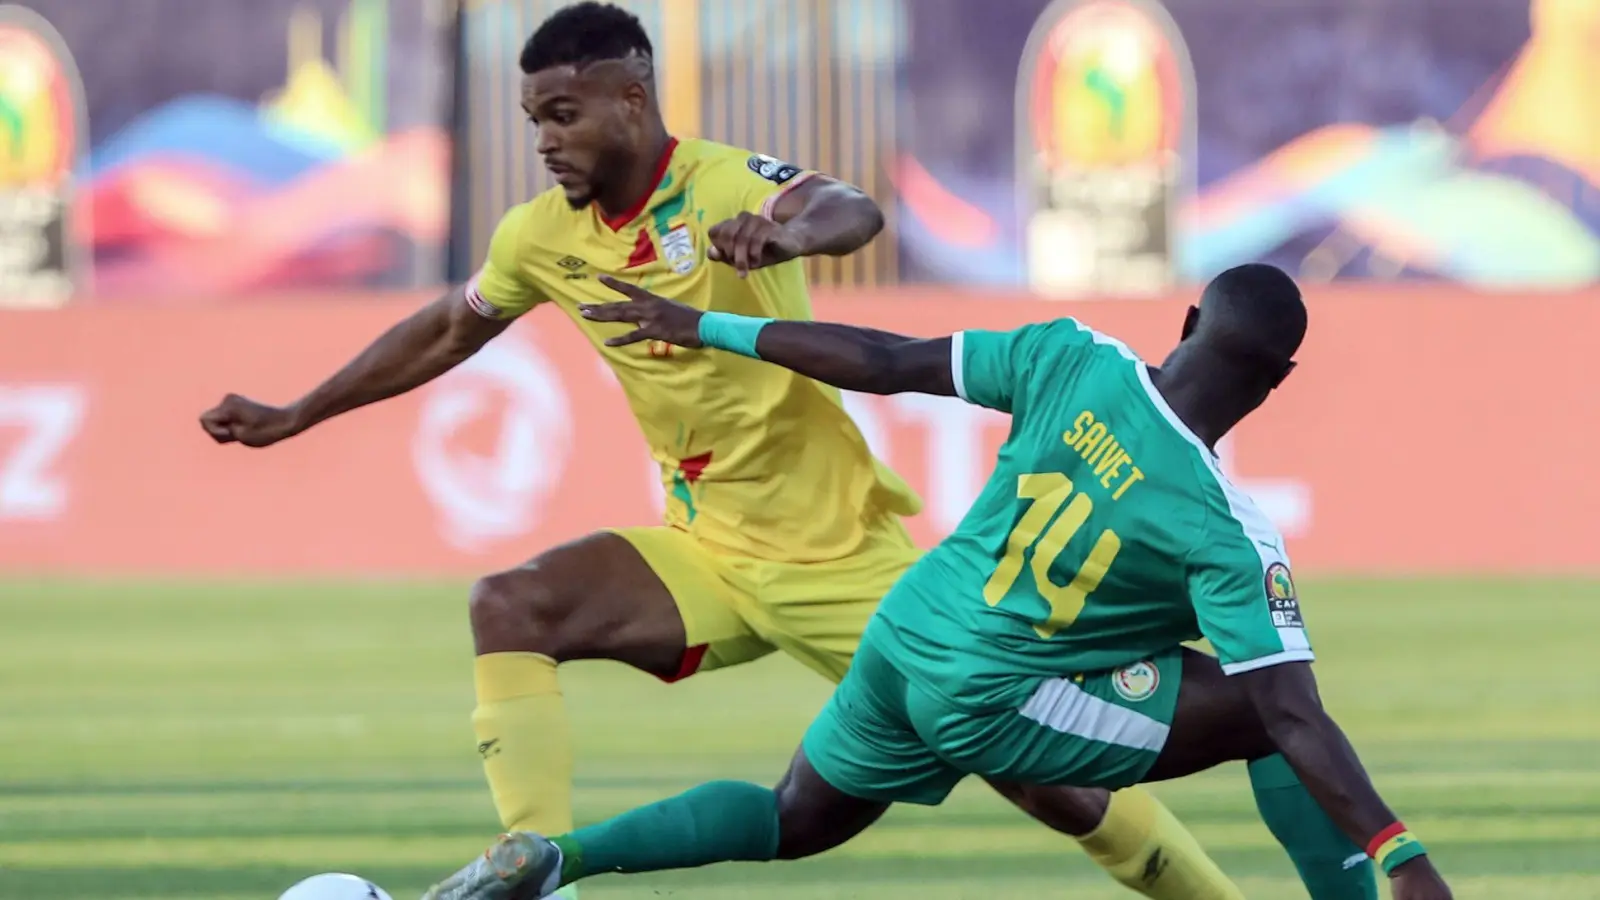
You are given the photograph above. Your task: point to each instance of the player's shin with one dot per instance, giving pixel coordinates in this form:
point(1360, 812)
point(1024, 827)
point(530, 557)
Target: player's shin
point(723, 821)
point(1143, 846)
point(1330, 865)
point(525, 741)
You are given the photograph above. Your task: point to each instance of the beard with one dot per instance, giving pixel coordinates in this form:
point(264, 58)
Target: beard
point(611, 166)
point(582, 199)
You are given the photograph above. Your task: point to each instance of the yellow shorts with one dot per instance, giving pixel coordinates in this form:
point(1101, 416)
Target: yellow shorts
point(736, 609)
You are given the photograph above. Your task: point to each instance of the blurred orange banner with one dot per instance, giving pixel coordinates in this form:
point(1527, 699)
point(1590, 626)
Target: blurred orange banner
point(1427, 430)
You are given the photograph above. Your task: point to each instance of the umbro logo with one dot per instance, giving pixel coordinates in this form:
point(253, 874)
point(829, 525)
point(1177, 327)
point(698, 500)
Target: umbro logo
point(1153, 868)
point(572, 264)
point(487, 748)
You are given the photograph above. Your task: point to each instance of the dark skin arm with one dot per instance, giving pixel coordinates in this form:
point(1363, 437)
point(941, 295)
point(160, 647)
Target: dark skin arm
point(819, 217)
point(421, 347)
point(855, 359)
point(1286, 698)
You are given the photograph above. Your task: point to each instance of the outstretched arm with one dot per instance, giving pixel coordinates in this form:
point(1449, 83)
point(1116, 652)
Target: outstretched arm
point(428, 343)
point(431, 341)
point(418, 349)
point(1286, 698)
point(855, 359)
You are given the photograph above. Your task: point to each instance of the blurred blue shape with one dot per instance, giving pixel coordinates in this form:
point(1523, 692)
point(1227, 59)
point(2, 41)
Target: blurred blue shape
point(1485, 229)
point(215, 128)
point(1394, 158)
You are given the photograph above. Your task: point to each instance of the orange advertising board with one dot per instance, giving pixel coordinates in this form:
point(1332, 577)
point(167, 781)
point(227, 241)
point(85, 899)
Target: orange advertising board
point(1426, 430)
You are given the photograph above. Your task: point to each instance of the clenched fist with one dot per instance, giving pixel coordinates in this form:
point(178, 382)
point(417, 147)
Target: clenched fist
point(748, 242)
point(242, 420)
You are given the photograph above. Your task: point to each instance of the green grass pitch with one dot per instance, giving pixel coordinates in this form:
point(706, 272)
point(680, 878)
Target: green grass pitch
point(221, 741)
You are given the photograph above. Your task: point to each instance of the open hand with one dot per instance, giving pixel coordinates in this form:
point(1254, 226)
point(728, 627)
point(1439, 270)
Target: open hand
point(657, 318)
point(242, 420)
point(748, 242)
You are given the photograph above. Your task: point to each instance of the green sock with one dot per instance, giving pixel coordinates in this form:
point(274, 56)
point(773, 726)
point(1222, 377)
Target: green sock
point(722, 821)
point(1330, 866)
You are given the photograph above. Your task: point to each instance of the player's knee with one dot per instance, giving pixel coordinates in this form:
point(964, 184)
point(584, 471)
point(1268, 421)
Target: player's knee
point(520, 611)
point(814, 817)
point(802, 830)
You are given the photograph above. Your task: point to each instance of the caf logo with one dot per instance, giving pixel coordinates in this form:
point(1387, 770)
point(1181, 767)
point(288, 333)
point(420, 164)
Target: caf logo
point(1280, 584)
point(42, 134)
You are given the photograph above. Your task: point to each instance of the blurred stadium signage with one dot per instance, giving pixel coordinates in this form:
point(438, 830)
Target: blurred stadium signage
point(1377, 456)
point(42, 421)
point(42, 132)
point(1105, 126)
point(485, 494)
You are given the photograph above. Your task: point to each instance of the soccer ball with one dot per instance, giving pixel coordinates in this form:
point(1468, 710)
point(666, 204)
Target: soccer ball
point(335, 886)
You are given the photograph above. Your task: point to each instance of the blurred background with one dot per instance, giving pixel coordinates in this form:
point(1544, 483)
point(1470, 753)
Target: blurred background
point(221, 671)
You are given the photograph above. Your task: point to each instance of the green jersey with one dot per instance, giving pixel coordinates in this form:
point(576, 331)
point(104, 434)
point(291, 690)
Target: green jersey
point(1106, 535)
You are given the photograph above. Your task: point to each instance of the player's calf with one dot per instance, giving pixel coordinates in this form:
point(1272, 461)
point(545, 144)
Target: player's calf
point(593, 598)
point(723, 821)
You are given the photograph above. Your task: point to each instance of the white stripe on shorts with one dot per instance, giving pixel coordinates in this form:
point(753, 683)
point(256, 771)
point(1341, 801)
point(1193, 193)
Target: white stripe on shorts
point(1061, 705)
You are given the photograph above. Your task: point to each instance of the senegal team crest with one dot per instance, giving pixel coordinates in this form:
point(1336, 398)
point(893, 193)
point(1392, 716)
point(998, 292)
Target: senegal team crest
point(1105, 122)
point(41, 137)
point(1136, 682)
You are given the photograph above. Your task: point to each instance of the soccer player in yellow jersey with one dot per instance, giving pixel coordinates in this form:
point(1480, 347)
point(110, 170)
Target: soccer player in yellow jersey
point(782, 531)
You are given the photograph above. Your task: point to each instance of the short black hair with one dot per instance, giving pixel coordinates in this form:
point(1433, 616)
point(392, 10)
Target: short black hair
point(585, 33)
point(1253, 311)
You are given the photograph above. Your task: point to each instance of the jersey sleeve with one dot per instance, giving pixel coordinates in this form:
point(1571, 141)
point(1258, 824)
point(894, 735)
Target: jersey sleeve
point(993, 368)
point(760, 181)
point(501, 289)
point(1245, 600)
point(986, 366)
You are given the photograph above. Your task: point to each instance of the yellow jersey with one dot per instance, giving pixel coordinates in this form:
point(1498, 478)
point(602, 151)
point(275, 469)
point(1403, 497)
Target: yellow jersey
point(755, 460)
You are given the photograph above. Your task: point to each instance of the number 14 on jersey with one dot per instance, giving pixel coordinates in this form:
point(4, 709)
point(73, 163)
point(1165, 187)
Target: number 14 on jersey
point(1030, 541)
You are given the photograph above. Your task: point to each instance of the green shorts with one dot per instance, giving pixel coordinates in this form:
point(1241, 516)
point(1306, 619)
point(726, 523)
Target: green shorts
point(882, 737)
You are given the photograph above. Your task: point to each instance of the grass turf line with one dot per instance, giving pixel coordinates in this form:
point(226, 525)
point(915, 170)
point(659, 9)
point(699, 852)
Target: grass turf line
point(223, 740)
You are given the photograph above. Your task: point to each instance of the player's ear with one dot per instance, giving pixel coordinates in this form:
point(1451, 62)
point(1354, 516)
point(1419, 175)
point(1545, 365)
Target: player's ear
point(1190, 320)
point(636, 96)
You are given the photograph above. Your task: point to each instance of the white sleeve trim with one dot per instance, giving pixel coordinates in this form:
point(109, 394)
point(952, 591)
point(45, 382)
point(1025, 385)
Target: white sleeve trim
point(478, 302)
point(1267, 662)
point(768, 204)
point(958, 364)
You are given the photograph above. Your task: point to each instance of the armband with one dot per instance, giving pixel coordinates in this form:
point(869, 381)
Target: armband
point(1394, 846)
point(733, 333)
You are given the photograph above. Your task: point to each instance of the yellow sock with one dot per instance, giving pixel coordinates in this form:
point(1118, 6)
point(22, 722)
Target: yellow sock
point(1144, 846)
point(525, 741)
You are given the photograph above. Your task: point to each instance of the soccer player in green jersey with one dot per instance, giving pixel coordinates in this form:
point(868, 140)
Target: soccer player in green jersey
point(1041, 642)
